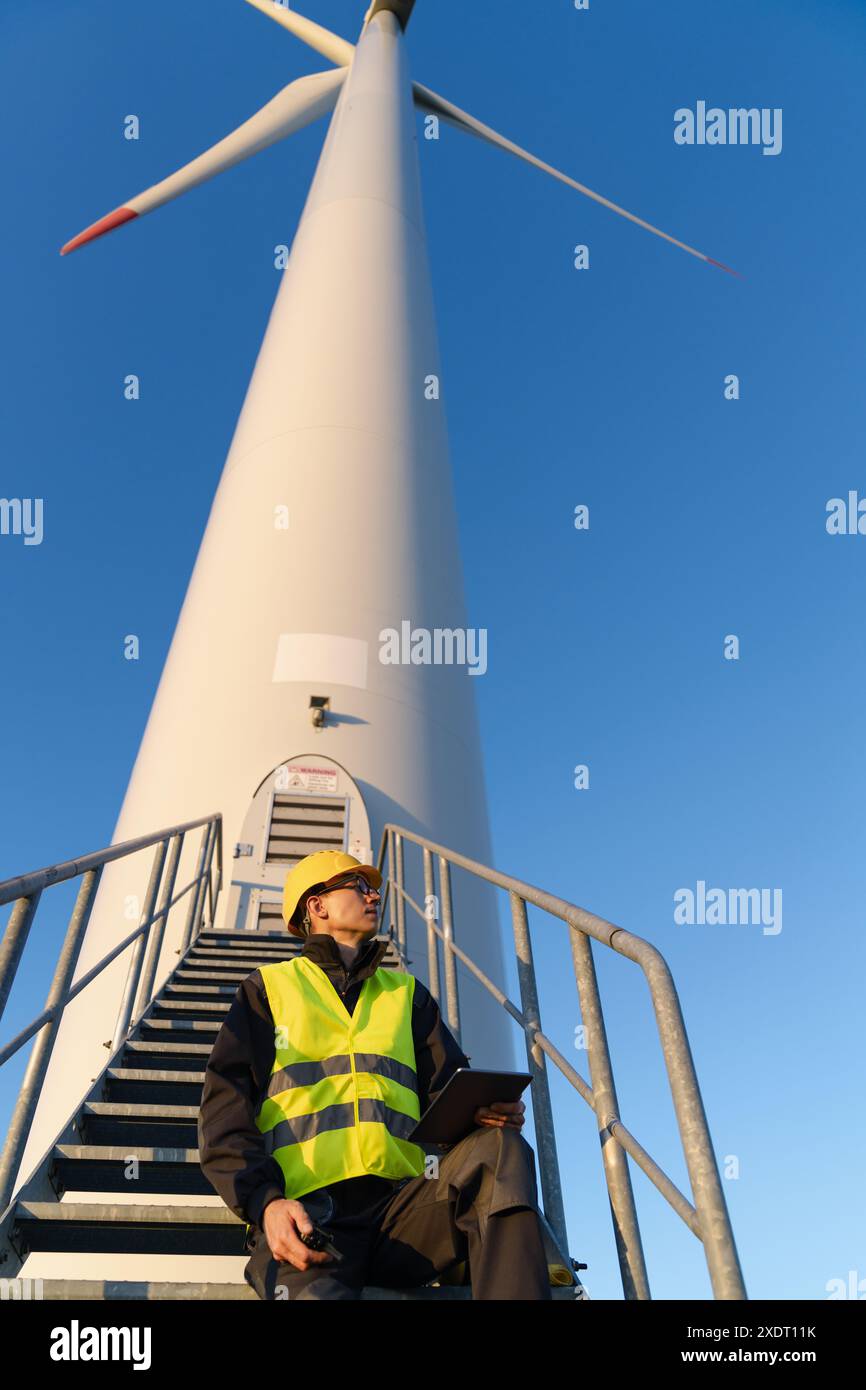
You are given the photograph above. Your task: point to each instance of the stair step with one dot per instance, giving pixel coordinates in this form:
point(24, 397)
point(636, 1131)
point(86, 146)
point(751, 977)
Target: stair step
point(179, 1025)
point(239, 951)
point(120, 1122)
point(116, 1153)
point(205, 975)
point(113, 1227)
point(245, 966)
point(212, 934)
point(249, 948)
point(249, 937)
point(159, 1055)
point(137, 1110)
point(206, 960)
point(209, 991)
point(103, 1168)
point(214, 955)
point(164, 1291)
point(158, 1291)
point(186, 1078)
point(209, 954)
point(190, 1006)
point(250, 943)
point(131, 1084)
point(229, 979)
point(159, 1229)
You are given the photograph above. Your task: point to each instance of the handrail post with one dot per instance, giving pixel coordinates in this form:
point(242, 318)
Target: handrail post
point(219, 871)
point(720, 1250)
point(431, 915)
point(189, 925)
point(201, 891)
point(392, 895)
point(626, 1229)
point(401, 906)
point(156, 936)
point(205, 883)
point(14, 941)
point(541, 1107)
point(127, 998)
point(37, 1065)
point(451, 998)
point(211, 893)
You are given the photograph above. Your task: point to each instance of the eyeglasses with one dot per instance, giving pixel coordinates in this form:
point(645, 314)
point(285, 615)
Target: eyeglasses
point(361, 884)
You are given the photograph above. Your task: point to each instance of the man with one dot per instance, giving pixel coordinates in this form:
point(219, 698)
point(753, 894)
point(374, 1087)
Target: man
point(319, 1073)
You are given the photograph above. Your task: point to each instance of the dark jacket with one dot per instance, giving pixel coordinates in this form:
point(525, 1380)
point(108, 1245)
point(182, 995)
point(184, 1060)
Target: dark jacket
point(232, 1151)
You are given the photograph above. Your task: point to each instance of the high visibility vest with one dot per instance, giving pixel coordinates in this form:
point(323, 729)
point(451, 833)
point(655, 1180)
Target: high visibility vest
point(342, 1095)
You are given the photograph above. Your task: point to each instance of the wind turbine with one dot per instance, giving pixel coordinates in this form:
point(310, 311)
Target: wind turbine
point(338, 426)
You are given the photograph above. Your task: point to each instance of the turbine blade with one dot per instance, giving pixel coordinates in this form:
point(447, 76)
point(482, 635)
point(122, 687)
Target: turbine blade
point(439, 106)
point(339, 50)
point(291, 109)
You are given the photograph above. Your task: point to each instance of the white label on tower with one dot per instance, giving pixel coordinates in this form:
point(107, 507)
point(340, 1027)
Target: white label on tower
point(321, 657)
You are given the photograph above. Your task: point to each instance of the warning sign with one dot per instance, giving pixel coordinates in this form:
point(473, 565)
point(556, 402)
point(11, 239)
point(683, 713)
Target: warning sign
point(310, 779)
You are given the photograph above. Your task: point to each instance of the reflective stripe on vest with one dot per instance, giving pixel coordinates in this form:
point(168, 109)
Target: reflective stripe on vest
point(342, 1096)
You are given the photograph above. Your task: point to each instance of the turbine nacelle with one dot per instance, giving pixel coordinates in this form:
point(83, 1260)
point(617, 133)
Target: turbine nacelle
point(310, 97)
point(401, 8)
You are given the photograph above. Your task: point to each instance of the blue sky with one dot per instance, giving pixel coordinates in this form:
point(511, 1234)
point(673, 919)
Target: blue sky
point(602, 387)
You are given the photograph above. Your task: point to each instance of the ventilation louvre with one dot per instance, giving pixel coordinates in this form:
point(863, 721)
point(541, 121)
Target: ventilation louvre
point(301, 825)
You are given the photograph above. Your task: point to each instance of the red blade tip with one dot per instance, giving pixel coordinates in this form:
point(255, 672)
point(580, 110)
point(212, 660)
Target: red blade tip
point(105, 224)
point(725, 268)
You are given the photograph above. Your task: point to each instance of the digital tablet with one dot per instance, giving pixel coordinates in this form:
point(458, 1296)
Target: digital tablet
point(450, 1117)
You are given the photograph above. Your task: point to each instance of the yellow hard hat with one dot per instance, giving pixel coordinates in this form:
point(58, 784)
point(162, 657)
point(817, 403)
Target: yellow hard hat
point(320, 867)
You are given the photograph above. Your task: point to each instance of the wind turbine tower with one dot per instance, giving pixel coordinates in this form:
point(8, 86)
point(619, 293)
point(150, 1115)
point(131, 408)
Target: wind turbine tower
point(333, 526)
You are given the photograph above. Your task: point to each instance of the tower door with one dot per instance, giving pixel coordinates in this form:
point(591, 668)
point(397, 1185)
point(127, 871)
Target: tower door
point(306, 804)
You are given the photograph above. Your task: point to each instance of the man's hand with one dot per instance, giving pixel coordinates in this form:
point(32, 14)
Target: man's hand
point(282, 1220)
point(500, 1112)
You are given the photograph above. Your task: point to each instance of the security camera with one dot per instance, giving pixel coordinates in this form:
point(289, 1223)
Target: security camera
point(318, 705)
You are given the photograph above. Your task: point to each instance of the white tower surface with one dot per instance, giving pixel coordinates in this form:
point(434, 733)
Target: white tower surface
point(342, 435)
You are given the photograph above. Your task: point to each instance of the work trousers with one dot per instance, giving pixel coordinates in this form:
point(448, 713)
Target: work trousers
point(481, 1208)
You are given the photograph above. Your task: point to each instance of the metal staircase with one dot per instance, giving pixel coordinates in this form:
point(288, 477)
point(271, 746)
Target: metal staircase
point(142, 1109)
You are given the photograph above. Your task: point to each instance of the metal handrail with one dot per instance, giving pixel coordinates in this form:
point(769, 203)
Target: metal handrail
point(26, 892)
point(708, 1218)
